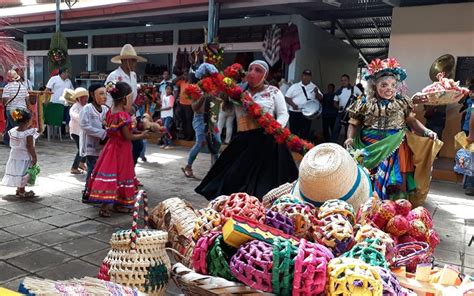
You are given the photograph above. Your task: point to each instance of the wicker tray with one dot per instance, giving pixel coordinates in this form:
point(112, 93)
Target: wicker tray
point(444, 97)
point(192, 284)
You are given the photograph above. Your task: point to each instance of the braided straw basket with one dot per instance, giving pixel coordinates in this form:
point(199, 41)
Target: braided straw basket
point(192, 284)
point(138, 257)
point(276, 193)
point(177, 217)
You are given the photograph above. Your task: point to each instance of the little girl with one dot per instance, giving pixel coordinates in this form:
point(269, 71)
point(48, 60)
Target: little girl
point(113, 179)
point(166, 111)
point(22, 153)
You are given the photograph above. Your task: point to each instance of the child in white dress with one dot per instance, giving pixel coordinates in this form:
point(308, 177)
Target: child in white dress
point(22, 153)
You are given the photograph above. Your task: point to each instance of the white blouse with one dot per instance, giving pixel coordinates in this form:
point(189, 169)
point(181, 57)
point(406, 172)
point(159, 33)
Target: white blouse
point(272, 101)
point(92, 130)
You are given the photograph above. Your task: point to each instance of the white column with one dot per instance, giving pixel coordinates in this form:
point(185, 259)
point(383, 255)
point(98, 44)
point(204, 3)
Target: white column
point(89, 53)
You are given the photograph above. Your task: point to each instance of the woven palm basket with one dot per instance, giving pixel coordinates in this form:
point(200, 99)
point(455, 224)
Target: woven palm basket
point(276, 193)
point(177, 217)
point(445, 97)
point(137, 257)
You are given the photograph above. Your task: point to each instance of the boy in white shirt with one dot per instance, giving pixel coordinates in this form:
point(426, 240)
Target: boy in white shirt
point(342, 100)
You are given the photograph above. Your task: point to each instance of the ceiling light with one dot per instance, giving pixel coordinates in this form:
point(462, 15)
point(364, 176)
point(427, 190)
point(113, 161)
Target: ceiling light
point(246, 17)
point(147, 25)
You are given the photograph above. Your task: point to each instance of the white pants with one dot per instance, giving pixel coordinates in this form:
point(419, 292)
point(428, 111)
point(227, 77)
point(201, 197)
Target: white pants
point(226, 118)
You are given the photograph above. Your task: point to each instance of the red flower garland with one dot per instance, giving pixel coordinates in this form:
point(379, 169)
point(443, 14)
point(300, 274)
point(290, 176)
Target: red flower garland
point(218, 82)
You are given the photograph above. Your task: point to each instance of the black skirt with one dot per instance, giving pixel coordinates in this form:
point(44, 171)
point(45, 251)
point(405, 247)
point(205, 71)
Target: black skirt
point(253, 163)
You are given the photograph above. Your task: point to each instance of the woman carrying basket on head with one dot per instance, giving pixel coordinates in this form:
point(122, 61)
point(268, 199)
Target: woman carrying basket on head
point(382, 129)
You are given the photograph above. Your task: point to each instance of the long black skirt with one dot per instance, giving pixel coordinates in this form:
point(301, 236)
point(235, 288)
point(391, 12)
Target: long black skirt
point(253, 163)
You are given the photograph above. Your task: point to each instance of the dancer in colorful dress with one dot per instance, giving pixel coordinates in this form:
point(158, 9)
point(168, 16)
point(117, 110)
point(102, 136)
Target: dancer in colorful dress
point(22, 153)
point(253, 162)
point(381, 126)
point(113, 180)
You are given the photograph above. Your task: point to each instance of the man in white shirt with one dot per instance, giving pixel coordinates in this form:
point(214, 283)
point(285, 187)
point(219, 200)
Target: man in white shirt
point(296, 96)
point(57, 84)
point(127, 59)
point(162, 85)
point(342, 100)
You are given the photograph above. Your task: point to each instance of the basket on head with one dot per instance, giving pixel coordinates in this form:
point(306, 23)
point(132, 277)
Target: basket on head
point(348, 277)
point(177, 217)
point(336, 206)
point(276, 193)
point(280, 222)
point(444, 97)
point(336, 233)
point(310, 268)
point(138, 257)
point(327, 172)
point(284, 254)
point(244, 205)
point(208, 220)
point(252, 265)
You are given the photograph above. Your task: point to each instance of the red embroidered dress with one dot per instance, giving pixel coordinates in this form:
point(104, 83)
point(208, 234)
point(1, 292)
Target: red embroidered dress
point(113, 179)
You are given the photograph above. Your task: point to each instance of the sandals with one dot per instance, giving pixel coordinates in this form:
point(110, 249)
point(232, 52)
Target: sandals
point(120, 209)
point(27, 194)
point(104, 213)
point(83, 166)
point(76, 171)
point(188, 172)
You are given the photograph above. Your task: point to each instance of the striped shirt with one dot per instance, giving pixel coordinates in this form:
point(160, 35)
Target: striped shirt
point(10, 91)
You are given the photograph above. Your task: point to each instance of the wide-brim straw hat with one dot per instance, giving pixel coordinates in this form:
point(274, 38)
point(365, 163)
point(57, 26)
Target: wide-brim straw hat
point(80, 92)
point(13, 75)
point(329, 172)
point(127, 52)
point(68, 97)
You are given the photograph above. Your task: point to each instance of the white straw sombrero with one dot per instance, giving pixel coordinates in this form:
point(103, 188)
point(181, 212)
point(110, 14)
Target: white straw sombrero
point(127, 52)
point(80, 92)
point(328, 172)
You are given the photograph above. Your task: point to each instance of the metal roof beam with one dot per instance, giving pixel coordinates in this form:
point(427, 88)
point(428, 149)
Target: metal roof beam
point(364, 25)
point(393, 3)
point(350, 14)
point(348, 37)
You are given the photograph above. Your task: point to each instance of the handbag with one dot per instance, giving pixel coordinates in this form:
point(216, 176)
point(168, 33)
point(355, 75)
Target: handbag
point(138, 257)
point(464, 162)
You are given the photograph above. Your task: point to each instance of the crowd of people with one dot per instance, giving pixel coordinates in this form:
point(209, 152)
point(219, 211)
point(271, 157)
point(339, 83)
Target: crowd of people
point(106, 122)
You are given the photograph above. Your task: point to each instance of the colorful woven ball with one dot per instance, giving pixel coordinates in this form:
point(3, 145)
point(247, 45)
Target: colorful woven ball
point(420, 213)
point(336, 233)
point(284, 254)
point(406, 238)
point(244, 205)
point(218, 202)
point(398, 225)
point(387, 209)
point(418, 229)
point(412, 254)
point(368, 231)
point(367, 210)
point(280, 222)
point(252, 265)
point(352, 277)
point(337, 206)
point(218, 259)
point(302, 215)
point(208, 220)
point(199, 258)
point(287, 198)
point(379, 221)
point(391, 285)
point(368, 255)
point(433, 239)
point(374, 243)
point(403, 207)
point(310, 269)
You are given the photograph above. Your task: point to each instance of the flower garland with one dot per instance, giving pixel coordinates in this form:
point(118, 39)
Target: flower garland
point(57, 55)
point(216, 83)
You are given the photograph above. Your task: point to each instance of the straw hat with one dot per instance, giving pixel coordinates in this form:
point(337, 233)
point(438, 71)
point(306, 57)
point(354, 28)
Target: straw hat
point(13, 75)
point(127, 52)
point(328, 172)
point(80, 92)
point(68, 97)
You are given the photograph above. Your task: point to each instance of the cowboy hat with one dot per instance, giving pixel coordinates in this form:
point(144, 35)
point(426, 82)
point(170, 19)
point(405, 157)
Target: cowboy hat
point(329, 172)
point(127, 52)
point(80, 92)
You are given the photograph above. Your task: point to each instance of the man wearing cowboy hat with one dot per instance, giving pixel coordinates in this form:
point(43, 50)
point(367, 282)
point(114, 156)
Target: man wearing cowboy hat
point(127, 59)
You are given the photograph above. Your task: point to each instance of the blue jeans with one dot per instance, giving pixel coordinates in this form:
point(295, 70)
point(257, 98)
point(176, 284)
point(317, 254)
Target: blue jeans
point(167, 121)
point(10, 124)
point(199, 127)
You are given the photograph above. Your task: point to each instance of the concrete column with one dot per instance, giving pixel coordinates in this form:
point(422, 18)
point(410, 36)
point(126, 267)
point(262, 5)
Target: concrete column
point(89, 53)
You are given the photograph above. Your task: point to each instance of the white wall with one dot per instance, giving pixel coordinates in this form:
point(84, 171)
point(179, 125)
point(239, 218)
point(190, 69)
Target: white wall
point(422, 34)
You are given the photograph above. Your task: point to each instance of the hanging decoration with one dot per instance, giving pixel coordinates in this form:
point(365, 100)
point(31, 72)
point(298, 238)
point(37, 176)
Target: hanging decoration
point(58, 54)
point(271, 45)
point(215, 83)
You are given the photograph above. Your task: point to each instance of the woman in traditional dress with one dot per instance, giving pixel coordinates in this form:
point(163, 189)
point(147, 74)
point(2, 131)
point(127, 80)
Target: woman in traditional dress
point(253, 162)
point(381, 126)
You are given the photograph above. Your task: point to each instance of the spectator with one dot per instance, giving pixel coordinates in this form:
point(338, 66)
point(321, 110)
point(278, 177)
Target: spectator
point(57, 84)
point(296, 96)
point(344, 97)
point(2, 82)
point(15, 96)
point(226, 117)
point(81, 95)
point(468, 127)
point(185, 106)
point(167, 103)
point(329, 112)
point(164, 82)
point(361, 88)
point(436, 119)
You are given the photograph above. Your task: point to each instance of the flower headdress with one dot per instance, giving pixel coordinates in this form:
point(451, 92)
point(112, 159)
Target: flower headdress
point(17, 115)
point(111, 87)
point(379, 67)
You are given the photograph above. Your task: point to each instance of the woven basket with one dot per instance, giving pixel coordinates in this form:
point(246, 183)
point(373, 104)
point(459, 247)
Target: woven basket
point(138, 257)
point(391, 285)
point(177, 217)
point(411, 254)
point(84, 286)
point(387, 243)
point(193, 284)
point(336, 206)
point(276, 193)
point(208, 220)
point(244, 205)
point(444, 97)
point(218, 202)
point(336, 233)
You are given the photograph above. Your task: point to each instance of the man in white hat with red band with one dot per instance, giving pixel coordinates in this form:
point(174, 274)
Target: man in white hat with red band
point(128, 60)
